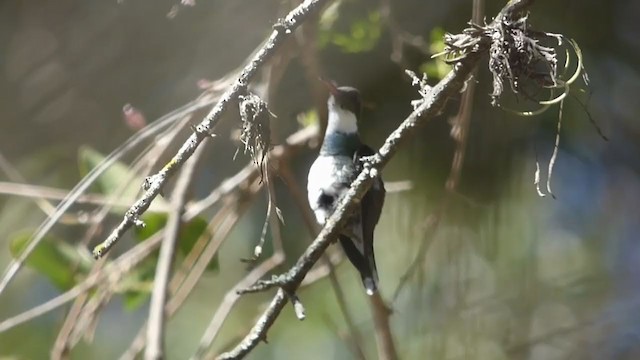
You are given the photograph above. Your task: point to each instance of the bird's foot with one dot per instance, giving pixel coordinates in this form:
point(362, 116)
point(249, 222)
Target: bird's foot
point(282, 281)
point(369, 162)
point(372, 159)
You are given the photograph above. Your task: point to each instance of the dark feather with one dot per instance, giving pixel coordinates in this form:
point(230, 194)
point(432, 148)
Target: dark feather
point(370, 210)
point(373, 200)
point(359, 261)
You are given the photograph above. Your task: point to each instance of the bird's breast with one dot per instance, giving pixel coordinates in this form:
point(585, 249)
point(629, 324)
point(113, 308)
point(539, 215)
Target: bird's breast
point(329, 177)
point(328, 171)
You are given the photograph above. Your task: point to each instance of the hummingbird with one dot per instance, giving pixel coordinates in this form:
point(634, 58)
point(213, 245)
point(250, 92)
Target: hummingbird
point(331, 174)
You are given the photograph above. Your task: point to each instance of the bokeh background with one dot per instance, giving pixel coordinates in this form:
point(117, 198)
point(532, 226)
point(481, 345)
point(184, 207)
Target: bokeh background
point(506, 274)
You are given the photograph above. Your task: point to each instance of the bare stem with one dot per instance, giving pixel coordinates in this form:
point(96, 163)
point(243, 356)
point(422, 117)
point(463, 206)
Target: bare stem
point(156, 327)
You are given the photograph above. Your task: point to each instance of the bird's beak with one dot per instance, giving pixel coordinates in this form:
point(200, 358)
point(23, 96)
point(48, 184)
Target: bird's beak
point(331, 86)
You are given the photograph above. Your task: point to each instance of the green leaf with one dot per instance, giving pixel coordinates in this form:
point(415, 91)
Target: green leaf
point(189, 235)
point(118, 181)
point(363, 35)
point(133, 300)
point(309, 118)
point(61, 263)
point(136, 287)
point(153, 222)
point(437, 40)
point(436, 68)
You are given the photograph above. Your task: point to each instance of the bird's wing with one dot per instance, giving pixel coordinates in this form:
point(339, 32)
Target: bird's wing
point(373, 200)
point(370, 208)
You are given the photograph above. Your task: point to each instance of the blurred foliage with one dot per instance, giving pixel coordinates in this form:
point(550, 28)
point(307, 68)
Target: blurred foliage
point(55, 259)
point(436, 68)
point(309, 118)
point(119, 181)
point(363, 35)
point(190, 233)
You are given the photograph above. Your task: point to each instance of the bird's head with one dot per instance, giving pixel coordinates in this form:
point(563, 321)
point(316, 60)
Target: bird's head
point(343, 98)
point(344, 105)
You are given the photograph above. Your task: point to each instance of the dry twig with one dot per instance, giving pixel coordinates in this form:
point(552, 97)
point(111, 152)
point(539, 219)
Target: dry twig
point(157, 314)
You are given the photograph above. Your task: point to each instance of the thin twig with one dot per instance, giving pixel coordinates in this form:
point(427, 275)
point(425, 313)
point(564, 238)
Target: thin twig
point(223, 222)
point(232, 296)
point(60, 347)
point(156, 327)
point(120, 266)
point(554, 155)
point(14, 175)
point(82, 313)
point(293, 144)
point(459, 133)
point(384, 334)
point(230, 299)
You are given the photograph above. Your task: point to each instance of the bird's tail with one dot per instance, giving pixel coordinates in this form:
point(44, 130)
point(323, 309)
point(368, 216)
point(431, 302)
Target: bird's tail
point(364, 262)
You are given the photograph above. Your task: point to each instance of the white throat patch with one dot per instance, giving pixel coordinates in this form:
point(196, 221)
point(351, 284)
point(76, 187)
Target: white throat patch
point(341, 120)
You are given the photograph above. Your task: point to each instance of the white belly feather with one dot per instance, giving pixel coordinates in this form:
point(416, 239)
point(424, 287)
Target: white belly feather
point(327, 175)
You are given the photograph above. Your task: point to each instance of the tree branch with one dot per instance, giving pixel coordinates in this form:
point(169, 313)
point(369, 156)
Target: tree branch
point(384, 335)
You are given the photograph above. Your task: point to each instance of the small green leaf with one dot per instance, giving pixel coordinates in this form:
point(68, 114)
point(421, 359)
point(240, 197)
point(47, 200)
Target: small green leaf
point(137, 285)
point(363, 35)
point(153, 222)
point(437, 40)
point(436, 68)
point(133, 300)
point(58, 261)
point(189, 235)
point(309, 118)
point(118, 181)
